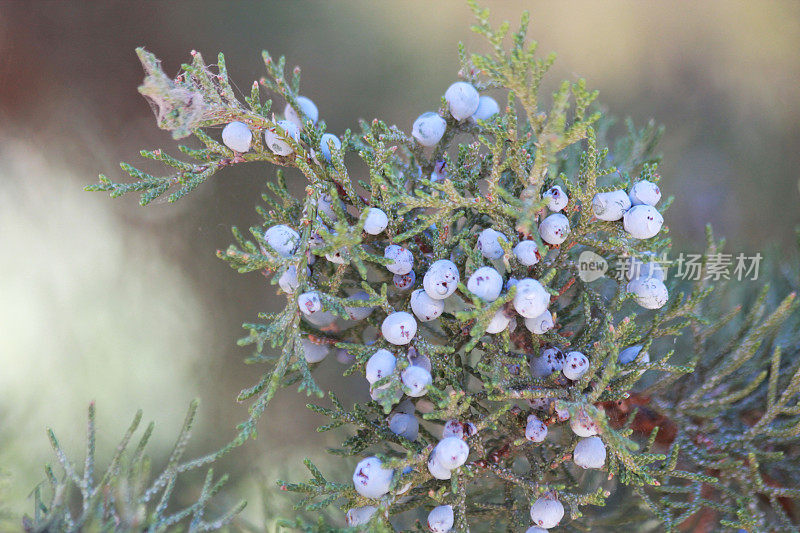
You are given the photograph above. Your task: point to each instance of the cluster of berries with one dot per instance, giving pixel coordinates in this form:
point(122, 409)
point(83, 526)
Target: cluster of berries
point(590, 452)
point(238, 137)
point(372, 480)
point(411, 373)
point(464, 103)
point(640, 220)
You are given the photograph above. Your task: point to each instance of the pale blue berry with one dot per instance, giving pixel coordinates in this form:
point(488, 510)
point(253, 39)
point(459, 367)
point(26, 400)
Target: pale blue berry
point(547, 512)
point(344, 357)
point(487, 108)
point(451, 452)
point(436, 469)
point(282, 239)
point(402, 259)
point(535, 429)
point(275, 137)
point(429, 128)
point(635, 268)
point(485, 283)
point(425, 307)
point(321, 319)
point(327, 141)
point(359, 313)
point(453, 428)
point(415, 381)
point(642, 221)
point(417, 359)
point(498, 323)
point(381, 364)
point(649, 293)
point(237, 136)
point(590, 453)
point(404, 282)
point(531, 299)
point(441, 519)
point(359, 516)
point(489, 243)
point(314, 352)
point(645, 192)
point(307, 106)
point(557, 199)
point(309, 302)
point(399, 328)
point(554, 229)
point(288, 281)
point(583, 426)
point(610, 206)
point(526, 253)
point(371, 480)
point(575, 365)
point(551, 360)
point(463, 100)
point(541, 324)
point(376, 221)
point(441, 279)
point(404, 425)
point(629, 355)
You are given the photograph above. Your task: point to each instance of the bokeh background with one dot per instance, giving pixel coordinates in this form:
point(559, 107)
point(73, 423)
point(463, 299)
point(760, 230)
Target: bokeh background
point(128, 306)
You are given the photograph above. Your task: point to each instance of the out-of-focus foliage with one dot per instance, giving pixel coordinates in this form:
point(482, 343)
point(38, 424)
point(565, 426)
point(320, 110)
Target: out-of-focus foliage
point(127, 496)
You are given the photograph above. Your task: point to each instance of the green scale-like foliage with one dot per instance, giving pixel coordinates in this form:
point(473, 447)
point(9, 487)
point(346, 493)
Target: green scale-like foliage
point(126, 497)
point(703, 436)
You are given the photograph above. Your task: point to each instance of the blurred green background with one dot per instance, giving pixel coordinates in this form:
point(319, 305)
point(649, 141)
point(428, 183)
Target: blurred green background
point(128, 306)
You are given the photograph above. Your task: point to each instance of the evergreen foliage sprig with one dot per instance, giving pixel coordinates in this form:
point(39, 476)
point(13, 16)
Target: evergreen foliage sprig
point(126, 497)
point(701, 437)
